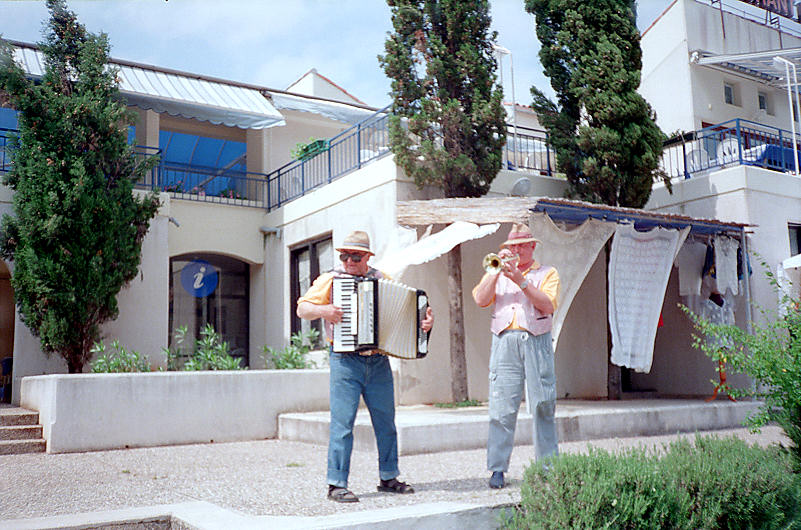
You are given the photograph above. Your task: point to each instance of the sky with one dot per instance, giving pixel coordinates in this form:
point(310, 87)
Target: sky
point(272, 43)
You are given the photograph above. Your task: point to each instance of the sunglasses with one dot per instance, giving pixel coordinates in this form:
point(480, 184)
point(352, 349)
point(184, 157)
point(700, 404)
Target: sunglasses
point(355, 258)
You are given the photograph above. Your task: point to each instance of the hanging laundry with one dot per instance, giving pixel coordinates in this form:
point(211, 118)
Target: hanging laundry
point(639, 269)
point(690, 262)
point(726, 264)
point(572, 253)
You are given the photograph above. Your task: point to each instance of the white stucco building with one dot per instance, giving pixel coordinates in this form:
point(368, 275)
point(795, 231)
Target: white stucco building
point(234, 198)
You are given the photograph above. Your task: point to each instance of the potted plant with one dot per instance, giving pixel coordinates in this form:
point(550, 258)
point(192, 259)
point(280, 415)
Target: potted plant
point(305, 151)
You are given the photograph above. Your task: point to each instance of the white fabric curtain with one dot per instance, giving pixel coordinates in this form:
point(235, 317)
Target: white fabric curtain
point(572, 253)
point(395, 259)
point(726, 264)
point(639, 268)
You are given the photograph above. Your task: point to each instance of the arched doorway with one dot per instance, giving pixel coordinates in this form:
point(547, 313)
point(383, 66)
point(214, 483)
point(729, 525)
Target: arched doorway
point(6, 331)
point(211, 289)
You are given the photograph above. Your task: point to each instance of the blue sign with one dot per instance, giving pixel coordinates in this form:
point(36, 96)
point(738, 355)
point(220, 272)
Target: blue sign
point(199, 278)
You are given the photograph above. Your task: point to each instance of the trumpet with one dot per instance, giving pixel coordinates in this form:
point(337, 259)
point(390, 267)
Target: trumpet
point(493, 263)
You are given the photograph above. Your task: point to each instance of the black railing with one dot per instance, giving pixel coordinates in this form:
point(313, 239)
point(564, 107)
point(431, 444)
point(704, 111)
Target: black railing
point(348, 151)
point(528, 149)
point(208, 184)
point(734, 142)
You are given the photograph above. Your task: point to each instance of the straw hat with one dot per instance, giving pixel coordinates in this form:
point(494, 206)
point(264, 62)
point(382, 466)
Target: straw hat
point(357, 241)
point(519, 233)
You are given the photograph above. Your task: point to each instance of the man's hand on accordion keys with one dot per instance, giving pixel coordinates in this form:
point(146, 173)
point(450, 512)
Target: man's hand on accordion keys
point(331, 313)
point(428, 322)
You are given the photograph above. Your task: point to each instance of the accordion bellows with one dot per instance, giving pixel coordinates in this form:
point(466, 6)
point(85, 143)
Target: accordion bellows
point(382, 314)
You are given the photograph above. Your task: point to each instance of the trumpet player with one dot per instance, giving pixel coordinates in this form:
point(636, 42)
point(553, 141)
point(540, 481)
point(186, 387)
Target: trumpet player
point(523, 296)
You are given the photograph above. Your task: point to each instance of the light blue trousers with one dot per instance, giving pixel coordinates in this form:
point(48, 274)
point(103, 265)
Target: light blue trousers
point(518, 357)
point(351, 377)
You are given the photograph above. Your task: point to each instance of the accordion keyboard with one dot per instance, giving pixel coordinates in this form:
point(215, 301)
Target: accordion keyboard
point(344, 297)
point(357, 330)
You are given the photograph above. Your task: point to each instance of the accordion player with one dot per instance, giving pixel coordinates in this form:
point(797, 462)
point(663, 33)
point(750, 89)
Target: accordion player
point(380, 314)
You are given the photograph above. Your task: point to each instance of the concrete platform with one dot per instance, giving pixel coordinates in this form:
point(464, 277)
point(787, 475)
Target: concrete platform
point(428, 429)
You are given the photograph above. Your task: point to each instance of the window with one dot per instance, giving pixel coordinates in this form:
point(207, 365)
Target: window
point(306, 262)
point(794, 231)
point(764, 102)
point(728, 93)
point(211, 289)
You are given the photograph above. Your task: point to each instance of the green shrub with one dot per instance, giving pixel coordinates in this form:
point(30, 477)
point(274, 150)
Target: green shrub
point(293, 356)
point(119, 360)
point(771, 355)
point(717, 483)
point(210, 352)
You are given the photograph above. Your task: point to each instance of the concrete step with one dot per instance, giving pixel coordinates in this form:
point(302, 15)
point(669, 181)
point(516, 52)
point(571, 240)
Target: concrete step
point(428, 429)
point(21, 432)
point(18, 447)
point(17, 416)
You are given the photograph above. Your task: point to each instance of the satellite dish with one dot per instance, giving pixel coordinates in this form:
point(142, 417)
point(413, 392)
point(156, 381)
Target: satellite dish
point(521, 187)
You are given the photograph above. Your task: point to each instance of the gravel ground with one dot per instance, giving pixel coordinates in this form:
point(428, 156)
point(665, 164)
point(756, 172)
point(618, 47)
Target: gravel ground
point(267, 477)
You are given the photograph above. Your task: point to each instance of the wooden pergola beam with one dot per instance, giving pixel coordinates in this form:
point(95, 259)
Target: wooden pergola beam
point(478, 210)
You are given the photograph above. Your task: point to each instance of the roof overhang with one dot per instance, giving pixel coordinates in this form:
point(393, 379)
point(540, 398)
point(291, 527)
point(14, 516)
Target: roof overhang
point(576, 212)
point(756, 65)
point(178, 94)
point(485, 210)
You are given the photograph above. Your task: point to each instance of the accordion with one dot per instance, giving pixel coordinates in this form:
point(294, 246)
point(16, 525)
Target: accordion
point(380, 314)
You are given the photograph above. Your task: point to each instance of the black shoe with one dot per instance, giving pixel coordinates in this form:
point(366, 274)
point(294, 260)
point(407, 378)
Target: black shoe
point(394, 485)
point(496, 480)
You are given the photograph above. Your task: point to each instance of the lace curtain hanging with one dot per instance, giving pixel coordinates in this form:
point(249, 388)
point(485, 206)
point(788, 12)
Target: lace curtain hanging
point(572, 253)
point(639, 268)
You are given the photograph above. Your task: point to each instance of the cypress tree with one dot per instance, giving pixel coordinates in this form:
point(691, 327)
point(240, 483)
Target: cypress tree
point(77, 230)
point(606, 140)
point(448, 124)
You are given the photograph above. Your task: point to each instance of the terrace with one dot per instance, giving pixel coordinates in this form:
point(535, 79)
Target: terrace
point(734, 142)
point(207, 170)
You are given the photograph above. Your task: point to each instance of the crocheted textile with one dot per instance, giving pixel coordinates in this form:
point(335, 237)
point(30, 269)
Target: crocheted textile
point(572, 253)
point(639, 269)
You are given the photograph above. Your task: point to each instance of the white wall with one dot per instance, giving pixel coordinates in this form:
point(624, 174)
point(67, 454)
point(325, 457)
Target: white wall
point(364, 200)
point(665, 64)
point(144, 304)
point(91, 412)
point(685, 94)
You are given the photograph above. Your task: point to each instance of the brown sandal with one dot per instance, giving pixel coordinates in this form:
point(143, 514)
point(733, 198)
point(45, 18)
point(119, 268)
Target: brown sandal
point(341, 494)
point(394, 485)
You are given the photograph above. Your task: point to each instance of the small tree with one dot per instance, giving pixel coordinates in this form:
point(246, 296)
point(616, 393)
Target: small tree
point(448, 124)
point(770, 355)
point(76, 235)
point(602, 130)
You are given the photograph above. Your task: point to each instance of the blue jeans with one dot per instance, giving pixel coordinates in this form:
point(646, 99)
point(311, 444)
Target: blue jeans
point(517, 358)
point(353, 376)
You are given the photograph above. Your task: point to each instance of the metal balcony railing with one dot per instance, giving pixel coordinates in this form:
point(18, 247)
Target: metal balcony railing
point(208, 184)
point(369, 140)
point(526, 149)
point(734, 142)
point(348, 151)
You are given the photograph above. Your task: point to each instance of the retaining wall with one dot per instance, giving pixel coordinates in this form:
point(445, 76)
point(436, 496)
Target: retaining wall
point(90, 412)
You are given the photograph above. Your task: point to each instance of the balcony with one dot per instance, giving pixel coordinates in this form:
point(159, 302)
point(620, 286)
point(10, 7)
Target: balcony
point(525, 150)
point(734, 142)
